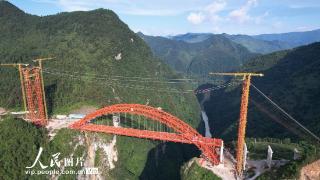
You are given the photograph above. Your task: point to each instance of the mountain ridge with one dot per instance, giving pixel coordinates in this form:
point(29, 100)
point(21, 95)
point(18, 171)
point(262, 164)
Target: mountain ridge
point(295, 38)
point(216, 53)
point(263, 43)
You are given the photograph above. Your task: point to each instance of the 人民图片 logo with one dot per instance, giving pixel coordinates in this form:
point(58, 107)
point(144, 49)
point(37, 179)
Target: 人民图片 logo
point(58, 166)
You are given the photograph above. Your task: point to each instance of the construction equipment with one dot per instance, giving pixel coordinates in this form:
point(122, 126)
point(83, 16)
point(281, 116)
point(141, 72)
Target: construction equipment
point(34, 95)
point(19, 65)
point(243, 115)
point(39, 60)
point(237, 74)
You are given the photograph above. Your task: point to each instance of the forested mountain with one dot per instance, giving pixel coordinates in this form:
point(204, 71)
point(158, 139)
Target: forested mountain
point(82, 42)
point(293, 38)
point(264, 43)
point(253, 44)
point(258, 45)
point(200, 53)
point(214, 54)
point(291, 80)
point(94, 53)
point(191, 37)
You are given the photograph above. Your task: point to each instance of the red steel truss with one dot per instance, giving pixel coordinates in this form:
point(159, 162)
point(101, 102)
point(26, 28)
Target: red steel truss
point(185, 133)
point(34, 95)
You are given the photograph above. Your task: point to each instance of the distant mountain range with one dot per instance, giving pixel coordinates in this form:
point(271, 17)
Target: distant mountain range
point(264, 43)
point(198, 54)
point(293, 38)
point(191, 37)
point(258, 45)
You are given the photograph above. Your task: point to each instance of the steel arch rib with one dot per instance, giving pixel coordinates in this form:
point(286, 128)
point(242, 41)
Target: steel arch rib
point(185, 133)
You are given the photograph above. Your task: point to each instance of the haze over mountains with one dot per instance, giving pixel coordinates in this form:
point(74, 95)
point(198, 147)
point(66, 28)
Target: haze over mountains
point(200, 53)
point(293, 38)
point(264, 43)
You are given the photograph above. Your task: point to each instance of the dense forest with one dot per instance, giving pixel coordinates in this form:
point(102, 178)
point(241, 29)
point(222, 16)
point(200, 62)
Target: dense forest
point(20, 150)
point(94, 53)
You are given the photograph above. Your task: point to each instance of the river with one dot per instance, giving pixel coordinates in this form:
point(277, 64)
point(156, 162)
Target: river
point(204, 116)
point(206, 124)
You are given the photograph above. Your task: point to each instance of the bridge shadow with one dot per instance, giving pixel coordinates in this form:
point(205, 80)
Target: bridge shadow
point(166, 159)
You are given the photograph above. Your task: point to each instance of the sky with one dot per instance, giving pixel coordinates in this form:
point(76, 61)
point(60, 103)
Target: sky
point(172, 17)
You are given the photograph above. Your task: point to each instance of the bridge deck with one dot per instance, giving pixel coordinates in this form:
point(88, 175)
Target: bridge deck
point(146, 134)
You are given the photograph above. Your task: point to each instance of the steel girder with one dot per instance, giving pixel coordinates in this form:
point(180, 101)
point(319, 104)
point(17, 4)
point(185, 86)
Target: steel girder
point(185, 133)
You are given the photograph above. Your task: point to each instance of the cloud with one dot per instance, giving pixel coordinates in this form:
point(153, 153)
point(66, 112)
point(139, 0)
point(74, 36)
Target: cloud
point(212, 14)
point(241, 15)
point(196, 18)
point(216, 7)
point(209, 12)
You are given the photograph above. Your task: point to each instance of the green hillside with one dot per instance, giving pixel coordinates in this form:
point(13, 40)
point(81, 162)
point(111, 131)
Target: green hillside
point(87, 72)
point(20, 150)
point(214, 54)
point(291, 80)
point(85, 69)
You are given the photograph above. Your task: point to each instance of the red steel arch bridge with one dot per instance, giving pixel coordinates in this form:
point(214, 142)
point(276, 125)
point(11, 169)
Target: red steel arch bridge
point(164, 126)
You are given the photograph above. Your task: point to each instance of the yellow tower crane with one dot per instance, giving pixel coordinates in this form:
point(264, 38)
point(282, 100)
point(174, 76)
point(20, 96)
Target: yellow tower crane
point(243, 115)
point(19, 65)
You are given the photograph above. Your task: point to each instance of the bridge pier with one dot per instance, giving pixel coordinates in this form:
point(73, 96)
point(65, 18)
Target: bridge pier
point(116, 120)
point(221, 152)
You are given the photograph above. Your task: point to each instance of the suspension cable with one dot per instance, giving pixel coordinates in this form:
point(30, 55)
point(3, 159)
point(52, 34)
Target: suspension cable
point(284, 112)
point(126, 78)
point(144, 88)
